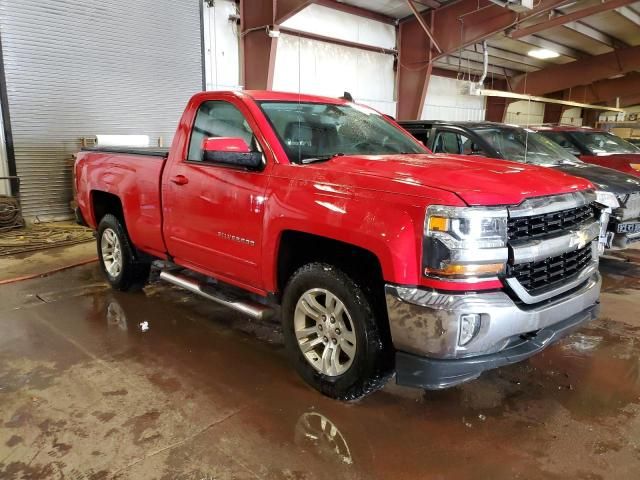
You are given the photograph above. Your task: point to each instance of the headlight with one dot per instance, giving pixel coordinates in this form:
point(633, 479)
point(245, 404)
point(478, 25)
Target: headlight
point(463, 242)
point(608, 199)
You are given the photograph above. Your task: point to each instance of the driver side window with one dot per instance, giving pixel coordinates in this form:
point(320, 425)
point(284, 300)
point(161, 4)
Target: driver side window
point(218, 119)
point(446, 142)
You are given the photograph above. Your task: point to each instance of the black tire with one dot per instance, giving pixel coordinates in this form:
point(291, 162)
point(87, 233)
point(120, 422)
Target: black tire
point(134, 273)
point(370, 368)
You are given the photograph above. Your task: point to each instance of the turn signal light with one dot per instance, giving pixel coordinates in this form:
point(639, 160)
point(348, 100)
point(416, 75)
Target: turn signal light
point(467, 270)
point(438, 224)
point(635, 166)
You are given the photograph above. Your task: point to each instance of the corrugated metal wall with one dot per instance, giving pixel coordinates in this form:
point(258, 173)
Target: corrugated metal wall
point(77, 68)
point(4, 166)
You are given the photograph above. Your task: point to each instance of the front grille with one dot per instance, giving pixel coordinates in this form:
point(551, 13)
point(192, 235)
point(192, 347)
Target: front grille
point(522, 228)
point(545, 275)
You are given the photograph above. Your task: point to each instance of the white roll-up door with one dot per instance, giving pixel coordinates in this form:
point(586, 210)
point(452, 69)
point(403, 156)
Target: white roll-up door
point(76, 69)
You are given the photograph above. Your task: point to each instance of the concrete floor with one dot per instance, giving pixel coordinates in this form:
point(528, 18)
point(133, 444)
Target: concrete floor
point(201, 393)
point(34, 264)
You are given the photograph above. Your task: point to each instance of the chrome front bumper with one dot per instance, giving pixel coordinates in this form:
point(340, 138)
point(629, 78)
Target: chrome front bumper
point(427, 323)
point(425, 328)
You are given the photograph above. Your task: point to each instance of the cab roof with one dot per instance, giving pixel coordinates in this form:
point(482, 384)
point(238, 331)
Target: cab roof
point(463, 124)
point(266, 95)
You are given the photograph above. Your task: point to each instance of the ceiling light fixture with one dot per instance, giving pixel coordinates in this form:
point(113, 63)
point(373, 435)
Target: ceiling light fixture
point(543, 53)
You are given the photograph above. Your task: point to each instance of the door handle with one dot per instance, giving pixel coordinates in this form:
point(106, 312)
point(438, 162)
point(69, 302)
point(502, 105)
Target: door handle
point(180, 180)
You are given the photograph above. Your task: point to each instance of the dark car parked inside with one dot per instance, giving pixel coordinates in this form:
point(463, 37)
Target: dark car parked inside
point(619, 191)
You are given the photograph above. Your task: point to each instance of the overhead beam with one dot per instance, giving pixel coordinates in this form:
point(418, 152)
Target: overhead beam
point(453, 26)
point(466, 65)
point(580, 72)
point(605, 90)
point(283, 9)
point(514, 57)
point(594, 34)
point(359, 11)
point(424, 25)
point(429, 3)
point(626, 102)
point(336, 41)
point(495, 61)
point(629, 14)
point(468, 22)
point(562, 19)
point(462, 23)
point(551, 45)
point(630, 101)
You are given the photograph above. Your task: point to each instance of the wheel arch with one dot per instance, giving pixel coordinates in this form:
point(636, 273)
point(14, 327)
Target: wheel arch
point(103, 203)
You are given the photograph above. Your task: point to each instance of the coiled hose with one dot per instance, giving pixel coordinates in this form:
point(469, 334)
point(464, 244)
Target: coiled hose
point(9, 212)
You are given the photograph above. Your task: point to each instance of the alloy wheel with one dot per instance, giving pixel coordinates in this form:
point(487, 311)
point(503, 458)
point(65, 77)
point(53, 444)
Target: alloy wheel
point(325, 332)
point(111, 252)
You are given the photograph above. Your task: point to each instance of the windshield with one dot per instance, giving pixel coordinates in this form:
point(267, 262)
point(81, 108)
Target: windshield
point(321, 130)
point(522, 145)
point(603, 142)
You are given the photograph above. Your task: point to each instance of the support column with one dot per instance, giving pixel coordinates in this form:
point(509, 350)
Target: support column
point(496, 109)
point(414, 70)
point(258, 49)
point(590, 117)
point(553, 111)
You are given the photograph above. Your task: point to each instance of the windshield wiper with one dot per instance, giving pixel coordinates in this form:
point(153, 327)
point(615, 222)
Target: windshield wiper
point(320, 158)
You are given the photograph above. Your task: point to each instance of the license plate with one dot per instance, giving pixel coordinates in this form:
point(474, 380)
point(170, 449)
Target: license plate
point(629, 227)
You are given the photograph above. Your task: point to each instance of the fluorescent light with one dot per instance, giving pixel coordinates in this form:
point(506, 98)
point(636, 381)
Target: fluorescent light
point(543, 53)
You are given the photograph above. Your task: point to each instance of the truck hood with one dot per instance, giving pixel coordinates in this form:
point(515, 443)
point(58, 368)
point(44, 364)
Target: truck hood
point(476, 180)
point(603, 178)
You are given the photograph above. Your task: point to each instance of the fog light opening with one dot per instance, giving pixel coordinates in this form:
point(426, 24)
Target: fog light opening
point(469, 327)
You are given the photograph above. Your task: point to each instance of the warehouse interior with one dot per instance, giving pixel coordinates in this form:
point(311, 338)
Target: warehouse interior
point(188, 380)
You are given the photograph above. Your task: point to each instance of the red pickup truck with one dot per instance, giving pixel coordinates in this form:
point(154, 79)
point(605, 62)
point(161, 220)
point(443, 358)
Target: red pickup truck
point(379, 257)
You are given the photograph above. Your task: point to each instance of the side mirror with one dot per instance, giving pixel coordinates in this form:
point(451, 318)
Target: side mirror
point(232, 151)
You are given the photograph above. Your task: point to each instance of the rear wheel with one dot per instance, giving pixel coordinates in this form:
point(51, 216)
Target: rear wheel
point(332, 334)
point(117, 258)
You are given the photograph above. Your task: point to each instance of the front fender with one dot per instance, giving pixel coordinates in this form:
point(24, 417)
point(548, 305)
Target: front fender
point(386, 224)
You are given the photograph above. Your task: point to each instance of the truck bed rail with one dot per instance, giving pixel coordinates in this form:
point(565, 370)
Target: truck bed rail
point(149, 151)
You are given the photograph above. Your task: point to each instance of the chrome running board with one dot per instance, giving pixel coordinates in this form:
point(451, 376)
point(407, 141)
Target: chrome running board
point(248, 307)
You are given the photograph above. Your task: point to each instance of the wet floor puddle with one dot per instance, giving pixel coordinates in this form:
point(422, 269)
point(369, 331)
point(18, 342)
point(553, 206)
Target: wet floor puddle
point(98, 379)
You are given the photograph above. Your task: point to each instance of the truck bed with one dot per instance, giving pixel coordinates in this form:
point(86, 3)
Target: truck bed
point(132, 175)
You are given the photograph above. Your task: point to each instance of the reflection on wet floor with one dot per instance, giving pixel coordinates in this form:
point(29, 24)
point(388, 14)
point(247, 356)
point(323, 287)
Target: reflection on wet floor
point(98, 384)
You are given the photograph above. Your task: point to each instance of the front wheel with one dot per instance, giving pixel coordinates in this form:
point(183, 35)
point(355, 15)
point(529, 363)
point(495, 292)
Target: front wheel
point(117, 258)
point(332, 334)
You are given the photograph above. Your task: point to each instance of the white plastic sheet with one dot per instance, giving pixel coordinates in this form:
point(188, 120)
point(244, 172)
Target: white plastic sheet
point(122, 140)
point(321, 68)
point(446, 100)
